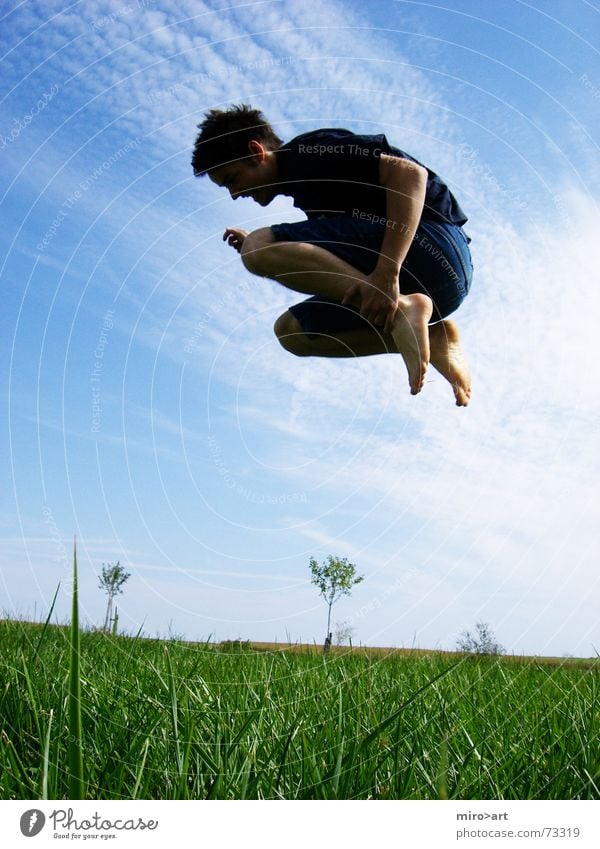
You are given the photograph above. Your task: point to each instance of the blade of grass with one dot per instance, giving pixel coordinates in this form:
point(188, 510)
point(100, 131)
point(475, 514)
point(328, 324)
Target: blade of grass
point(45, 628)
point(18, 769)
point(46, 760)
point(174, 719)
point(594, 785)
point(340, 747)
point(75, 749)
point(140, 771)
point(32, 699)
point(240, 733)
point(442, 776)
point(182, 788)
point(294, 728)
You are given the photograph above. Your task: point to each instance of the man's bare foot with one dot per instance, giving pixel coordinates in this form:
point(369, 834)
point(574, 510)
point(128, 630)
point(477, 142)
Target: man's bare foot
point(447, 357)
point(411, 335)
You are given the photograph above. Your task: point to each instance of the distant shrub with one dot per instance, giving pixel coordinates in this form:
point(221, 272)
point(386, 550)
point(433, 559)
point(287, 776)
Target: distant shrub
point(235, 646)
point(483, 641)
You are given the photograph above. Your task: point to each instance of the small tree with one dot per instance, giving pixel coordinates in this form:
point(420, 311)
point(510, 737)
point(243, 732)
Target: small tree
point(111, 580)
point(482, 642)
point(334, 577)
point(343, 632)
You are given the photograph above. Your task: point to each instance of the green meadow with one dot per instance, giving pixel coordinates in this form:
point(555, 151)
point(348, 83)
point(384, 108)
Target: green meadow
point(171, 720)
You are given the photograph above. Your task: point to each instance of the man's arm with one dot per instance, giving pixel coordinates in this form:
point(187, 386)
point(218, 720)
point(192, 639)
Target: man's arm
point(405, 183)
point(235, 237)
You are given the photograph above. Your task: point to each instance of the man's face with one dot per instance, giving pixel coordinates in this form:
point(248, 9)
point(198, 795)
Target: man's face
point(246, 179)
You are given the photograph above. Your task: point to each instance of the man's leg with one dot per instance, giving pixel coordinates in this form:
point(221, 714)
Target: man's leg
point(312, 270)
point(446, 351)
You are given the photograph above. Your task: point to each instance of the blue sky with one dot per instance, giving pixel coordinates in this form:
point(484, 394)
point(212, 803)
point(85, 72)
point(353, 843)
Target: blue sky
point(146, 405)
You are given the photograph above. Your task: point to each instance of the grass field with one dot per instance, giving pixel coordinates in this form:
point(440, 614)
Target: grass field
point(168, 720)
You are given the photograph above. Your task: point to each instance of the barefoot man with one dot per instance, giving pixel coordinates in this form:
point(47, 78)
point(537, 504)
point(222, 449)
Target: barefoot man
point(382, 253)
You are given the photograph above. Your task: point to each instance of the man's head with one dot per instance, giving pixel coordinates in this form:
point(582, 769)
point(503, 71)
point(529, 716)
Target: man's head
point(236, 149)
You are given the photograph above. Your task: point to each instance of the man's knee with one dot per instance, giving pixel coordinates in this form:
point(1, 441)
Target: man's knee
point(290, 335)
point(254, 249)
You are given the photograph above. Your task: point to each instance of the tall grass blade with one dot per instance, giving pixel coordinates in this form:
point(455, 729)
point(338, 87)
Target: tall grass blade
point(24, 787)
point(75, 749)
point(294, 728)
point(335, 780)
point(44, 629)
point(35, 712)
point(140, 771)
point(442, 776)
point(594, 785)
point(46, 760)
point(174, 712)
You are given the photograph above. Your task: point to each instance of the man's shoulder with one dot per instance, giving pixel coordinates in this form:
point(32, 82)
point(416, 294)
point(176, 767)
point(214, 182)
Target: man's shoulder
point(314, 136)
point(330, 135)
point(337, 143)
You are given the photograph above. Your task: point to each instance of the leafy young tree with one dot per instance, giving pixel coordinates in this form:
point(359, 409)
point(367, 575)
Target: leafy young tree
point(482, 642)
point(111, 580)
point(343, 632)
point(334, 577)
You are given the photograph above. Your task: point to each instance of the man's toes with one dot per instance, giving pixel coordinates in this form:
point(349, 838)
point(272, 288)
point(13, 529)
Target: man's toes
point(418, 382)
point(462, 395)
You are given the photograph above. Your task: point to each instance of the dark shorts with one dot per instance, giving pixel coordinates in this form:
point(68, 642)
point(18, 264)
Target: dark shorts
point(438, 264)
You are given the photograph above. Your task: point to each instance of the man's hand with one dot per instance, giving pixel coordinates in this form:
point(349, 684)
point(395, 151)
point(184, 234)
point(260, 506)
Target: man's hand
point(377, 298)
point(235, 236)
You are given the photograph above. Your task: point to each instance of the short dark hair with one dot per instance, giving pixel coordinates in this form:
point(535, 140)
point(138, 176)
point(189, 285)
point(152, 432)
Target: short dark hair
point(224, 136)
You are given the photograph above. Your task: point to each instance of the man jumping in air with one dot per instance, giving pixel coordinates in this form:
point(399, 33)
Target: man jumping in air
point(382, 252)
